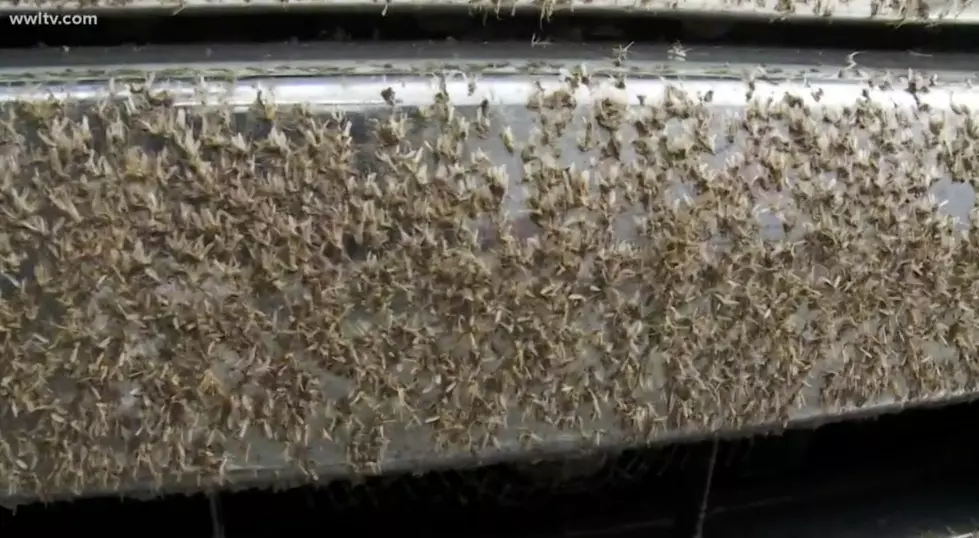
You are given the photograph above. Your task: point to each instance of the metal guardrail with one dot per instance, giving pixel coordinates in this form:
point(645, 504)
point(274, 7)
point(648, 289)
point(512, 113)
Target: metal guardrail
point(707, 108)
point(910, 11)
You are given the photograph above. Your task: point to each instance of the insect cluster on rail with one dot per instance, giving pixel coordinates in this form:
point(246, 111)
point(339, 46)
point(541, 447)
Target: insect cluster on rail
point(181, 285)
point(899, 11)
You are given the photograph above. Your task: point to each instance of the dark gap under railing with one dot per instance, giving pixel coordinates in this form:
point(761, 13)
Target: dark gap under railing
point(653, 492)
point(244, 26)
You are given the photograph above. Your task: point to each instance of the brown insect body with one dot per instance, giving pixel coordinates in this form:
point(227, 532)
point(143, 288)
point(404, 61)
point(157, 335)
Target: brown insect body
point(185, 287)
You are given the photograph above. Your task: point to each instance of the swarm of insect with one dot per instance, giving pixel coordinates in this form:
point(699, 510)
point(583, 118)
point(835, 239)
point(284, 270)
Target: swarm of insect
point(187, 293)
point(895, 11)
